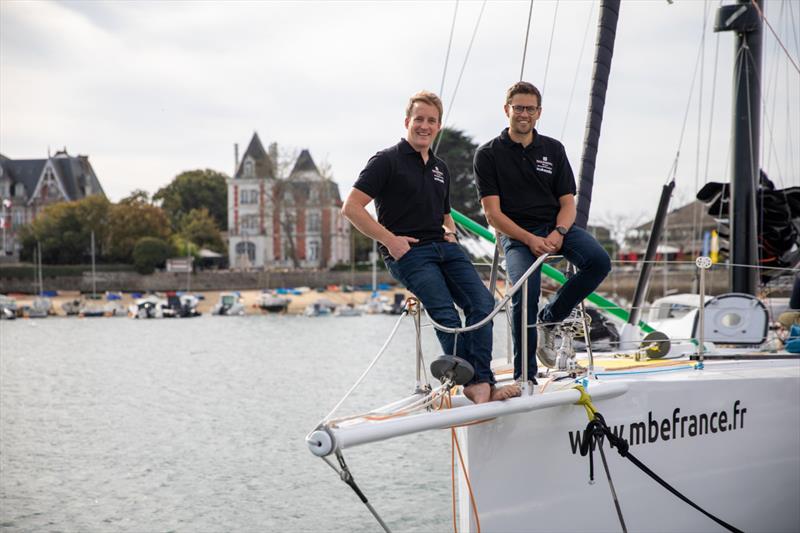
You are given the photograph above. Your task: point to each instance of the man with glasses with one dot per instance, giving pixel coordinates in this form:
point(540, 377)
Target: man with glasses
point(527, 191)
point(411, 189)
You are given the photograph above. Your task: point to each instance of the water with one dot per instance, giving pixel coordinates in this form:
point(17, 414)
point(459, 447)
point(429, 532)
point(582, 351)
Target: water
point(199, 424)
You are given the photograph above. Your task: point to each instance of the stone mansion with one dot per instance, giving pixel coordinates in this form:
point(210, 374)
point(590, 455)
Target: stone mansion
point(293, 222)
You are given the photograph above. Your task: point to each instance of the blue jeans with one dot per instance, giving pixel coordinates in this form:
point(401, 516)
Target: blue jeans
point(440, 274)
point(583, 251)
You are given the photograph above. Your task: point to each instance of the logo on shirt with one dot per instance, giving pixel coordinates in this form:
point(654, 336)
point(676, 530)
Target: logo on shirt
point(438, 175)
point(543, 165)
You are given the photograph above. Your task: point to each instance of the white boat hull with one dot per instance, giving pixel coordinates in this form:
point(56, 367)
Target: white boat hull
point(744, 467)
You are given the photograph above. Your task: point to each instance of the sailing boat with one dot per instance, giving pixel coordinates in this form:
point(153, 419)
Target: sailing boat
point(719, 424)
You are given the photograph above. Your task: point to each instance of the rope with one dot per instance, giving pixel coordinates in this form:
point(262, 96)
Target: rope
point(454, 445)
point(596, 430)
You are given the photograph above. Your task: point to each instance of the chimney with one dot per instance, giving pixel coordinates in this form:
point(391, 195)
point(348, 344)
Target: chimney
point(235, 158)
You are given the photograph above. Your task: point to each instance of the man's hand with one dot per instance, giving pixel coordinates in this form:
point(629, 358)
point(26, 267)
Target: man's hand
point(555, 239)
point(449, 236)
point(399, 245)
point(540, 246)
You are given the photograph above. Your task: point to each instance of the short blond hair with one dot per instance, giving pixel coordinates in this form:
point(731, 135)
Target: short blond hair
point(425, 97)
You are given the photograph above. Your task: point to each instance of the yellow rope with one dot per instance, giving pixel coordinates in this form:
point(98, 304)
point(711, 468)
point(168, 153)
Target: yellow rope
point(586, 401)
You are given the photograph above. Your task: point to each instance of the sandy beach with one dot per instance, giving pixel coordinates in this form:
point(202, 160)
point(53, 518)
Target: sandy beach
point(250, 298)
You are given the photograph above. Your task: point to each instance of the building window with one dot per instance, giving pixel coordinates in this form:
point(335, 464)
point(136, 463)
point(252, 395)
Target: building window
point(19, 217)
point(246, 249)
point(250, 222)
point(248, 196)
point(313, 225)
point(313, 251)
point(313, 195)
point(249, 169)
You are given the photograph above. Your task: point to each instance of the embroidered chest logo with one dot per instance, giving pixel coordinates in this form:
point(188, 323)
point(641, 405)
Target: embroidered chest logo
point(438, 175)
point(543, 165)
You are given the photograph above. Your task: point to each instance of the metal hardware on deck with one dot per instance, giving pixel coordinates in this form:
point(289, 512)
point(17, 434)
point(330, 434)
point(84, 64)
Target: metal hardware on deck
point(495, 268)
point(524, 338)
point(415, 310)
point(587, 338)
point(703, 263)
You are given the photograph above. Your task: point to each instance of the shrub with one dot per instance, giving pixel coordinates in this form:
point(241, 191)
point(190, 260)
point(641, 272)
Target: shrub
point(150, 253)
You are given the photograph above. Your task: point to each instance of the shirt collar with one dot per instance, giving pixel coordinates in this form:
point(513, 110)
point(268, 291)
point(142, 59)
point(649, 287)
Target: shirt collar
point(406, 148)
point(508, 141)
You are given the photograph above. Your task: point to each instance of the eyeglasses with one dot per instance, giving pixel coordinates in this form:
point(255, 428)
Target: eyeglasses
point(530, 109)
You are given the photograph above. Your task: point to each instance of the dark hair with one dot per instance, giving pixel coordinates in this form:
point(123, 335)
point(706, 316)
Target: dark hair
point(523, 87)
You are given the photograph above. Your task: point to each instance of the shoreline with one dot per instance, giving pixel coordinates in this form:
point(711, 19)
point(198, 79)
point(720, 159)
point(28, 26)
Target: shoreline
point(250, 298)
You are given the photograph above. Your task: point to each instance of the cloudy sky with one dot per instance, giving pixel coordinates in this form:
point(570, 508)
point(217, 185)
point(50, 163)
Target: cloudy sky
point(149, 89)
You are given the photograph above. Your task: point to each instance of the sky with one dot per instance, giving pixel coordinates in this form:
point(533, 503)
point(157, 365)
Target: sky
point(150, 89)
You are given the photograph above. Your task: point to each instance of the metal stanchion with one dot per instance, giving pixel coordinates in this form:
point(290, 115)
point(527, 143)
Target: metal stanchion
point(524, 338)
point(703, 263)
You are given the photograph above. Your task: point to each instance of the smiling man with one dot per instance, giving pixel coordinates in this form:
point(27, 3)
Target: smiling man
point(527, 191)
point(411, 189)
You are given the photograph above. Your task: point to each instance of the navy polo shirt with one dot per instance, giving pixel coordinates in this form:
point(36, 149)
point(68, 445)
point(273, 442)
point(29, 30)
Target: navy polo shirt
point(411, 197)
point(529, 180)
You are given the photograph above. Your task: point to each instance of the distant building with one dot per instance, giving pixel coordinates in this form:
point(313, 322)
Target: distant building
point(291, 222)
point(681, 238)
point(29, 185)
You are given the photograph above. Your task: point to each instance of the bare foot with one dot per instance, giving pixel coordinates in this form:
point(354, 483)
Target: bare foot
point(504, 393)
point(478, 392)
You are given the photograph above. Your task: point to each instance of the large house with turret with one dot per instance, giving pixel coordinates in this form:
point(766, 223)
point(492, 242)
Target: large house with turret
point(292, 221)
point(29, 185)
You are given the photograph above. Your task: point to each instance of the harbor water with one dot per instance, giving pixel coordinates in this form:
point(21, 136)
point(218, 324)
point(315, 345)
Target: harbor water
point(198, 425)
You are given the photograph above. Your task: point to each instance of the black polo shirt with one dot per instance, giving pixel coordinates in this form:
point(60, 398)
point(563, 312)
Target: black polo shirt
point(529, 180)
point(411, 197)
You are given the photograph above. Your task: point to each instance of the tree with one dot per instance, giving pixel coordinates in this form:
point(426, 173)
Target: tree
point(195, 189)
point(198, 227)
point(150, 253)
point(458, 150)
point(64, 231)
point(130, 220)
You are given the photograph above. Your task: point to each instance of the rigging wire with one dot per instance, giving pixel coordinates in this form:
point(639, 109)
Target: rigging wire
point(449, 45)
point(696, 229)
point(460, 74)
point(550, 48)
point(777, 38)
point(577, 69)
point(525, 46)
point(713, 101)
point(369, 367)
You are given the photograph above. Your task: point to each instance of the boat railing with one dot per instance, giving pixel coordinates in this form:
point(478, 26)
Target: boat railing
point(520, 285)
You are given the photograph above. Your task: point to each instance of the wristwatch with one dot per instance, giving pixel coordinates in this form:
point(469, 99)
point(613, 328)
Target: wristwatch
point(562, 230)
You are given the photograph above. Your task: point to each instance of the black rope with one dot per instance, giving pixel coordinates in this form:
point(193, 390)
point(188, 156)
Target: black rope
point(597, 429)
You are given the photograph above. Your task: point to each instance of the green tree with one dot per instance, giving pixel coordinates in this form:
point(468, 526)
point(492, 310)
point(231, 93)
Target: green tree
point(64, 231)
point(150, 253)
point(458, 150)
point(195, 189)
point(200, 228)
point(130, 220)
